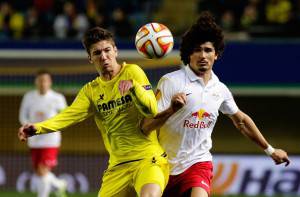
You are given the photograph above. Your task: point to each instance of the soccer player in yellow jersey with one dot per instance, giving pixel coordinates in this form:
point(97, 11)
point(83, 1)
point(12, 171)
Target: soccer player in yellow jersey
point(118, 99)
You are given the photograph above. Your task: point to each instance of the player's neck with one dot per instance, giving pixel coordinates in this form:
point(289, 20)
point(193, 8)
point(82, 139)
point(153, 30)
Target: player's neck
point(109, 75)
point(42, 92)
point(206, 76)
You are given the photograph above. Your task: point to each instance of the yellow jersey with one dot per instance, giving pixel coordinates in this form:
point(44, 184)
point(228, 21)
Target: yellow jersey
point(117, 117)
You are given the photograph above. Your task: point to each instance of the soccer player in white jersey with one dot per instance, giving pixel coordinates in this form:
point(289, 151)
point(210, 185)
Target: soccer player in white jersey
point(39, 105)
point(189, 101)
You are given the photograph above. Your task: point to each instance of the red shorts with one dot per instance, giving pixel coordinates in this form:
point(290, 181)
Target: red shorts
point(45, 156)
point(198, 175)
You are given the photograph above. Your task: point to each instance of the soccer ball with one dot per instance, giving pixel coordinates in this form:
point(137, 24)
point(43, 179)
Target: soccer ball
point(154, 40)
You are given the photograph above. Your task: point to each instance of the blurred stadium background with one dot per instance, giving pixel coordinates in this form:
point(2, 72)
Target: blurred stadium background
point(260, 65)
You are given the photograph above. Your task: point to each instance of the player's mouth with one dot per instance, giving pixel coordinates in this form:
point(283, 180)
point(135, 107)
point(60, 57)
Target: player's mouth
point(105, 64)
point(202, 66)
point(202, 63)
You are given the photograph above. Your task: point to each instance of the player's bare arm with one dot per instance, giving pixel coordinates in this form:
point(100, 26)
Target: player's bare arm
point(26, 131)
point(150, 124)
point(247, 127)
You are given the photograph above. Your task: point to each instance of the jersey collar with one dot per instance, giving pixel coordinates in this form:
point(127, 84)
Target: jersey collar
point(193, 77)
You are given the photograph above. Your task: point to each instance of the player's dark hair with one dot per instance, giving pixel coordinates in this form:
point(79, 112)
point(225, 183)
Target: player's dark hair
point(95, 35)
point(42, 72)
point(204, 30)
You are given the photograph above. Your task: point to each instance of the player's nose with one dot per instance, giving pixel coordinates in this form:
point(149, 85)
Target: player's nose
point(103, 56)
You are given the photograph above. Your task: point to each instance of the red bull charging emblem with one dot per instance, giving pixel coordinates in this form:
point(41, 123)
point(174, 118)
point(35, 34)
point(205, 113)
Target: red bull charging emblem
point(203, 120)
point(201, 114)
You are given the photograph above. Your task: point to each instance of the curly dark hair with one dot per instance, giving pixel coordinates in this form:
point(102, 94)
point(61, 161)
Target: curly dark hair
point(204, 30)
point(95, 35)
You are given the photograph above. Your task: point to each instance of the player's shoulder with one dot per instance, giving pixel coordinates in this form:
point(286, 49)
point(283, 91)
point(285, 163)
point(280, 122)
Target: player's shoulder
point(172, 80)
point(175, 75)
point(133, 71)
point(217, 82)
point(95, 83)
point(223, 87)
point(56, 94)
point(30, 94)
point(88, 88)
point(132, 67)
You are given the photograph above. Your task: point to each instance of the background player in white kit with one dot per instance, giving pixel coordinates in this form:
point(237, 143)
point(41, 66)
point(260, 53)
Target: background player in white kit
point(38, 105)
point(189, 101)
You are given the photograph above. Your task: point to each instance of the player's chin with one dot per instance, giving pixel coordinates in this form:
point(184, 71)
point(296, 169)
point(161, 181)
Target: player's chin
point(202, 70)
point(107, 69)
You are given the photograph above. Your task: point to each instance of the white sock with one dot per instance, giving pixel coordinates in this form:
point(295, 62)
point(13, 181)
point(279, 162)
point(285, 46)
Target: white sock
point(43, 186)
point(56, 182)
point(34, 182)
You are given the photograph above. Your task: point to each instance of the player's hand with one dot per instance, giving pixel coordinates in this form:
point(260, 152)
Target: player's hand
point(26, 131)
point(178, 101)
point(125, 86)
point(280, 156)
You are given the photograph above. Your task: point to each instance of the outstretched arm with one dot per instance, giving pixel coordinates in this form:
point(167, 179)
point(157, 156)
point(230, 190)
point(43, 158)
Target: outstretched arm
point(80, 109)
point(247, 127)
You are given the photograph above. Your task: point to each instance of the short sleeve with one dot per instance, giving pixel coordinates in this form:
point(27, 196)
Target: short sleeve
point(228, 106)
point(165, 91)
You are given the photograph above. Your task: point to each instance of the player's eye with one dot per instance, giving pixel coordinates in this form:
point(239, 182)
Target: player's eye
point(107, 50)
point(208, 50)
point(197, 49)
point(97, 52)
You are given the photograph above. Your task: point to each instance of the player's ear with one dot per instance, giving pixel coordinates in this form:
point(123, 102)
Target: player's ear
point(90, 59)
point(216, 56)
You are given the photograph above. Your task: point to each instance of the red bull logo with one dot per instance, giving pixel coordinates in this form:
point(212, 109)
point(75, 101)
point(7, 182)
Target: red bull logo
point(203, 120)
point(201, 114)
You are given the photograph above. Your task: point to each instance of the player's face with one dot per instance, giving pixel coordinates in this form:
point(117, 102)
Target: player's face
point(43, 83)
point(103, 55)
point(203, 58)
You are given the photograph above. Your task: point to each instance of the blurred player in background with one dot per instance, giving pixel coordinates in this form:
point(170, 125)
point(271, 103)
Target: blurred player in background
point(118, 99)
point(39, 105)
point(189, 101)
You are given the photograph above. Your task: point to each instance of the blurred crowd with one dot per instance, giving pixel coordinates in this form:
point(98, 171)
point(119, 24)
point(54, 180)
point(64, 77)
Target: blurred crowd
point(279, 18)
point(65, 19)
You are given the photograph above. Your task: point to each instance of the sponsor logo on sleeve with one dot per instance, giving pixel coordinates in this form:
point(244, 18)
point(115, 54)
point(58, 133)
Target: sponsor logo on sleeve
point(147, 87)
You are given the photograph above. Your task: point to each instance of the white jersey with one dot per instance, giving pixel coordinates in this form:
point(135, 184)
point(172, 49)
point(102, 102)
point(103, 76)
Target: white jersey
point(186, 135)
point(36, 108)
